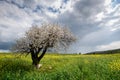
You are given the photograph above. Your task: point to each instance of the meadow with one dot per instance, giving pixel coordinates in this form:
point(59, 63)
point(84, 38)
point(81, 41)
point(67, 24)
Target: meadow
point(61, 67)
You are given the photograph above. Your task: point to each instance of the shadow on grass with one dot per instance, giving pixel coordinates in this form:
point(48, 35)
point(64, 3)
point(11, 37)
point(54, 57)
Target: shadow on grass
point(14, 68)
point(15, 65)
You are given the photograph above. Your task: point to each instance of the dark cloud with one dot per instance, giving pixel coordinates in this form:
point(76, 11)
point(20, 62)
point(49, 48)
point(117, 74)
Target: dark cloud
point(3, 26)
point(115, 35)
point(18, 3)
point(5, 45)
point(81, 20)
point(88, 8)
point(22, 3)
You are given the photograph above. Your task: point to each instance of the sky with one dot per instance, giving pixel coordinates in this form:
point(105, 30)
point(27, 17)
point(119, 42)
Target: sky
point(96, 23)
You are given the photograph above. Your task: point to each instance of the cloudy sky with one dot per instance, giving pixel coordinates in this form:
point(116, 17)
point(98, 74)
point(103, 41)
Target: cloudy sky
point(96, 23)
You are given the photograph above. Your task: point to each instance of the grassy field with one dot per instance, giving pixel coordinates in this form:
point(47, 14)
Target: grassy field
point(61, 67)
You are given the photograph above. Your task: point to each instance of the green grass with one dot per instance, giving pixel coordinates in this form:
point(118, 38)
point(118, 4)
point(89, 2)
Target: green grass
point(61, 67)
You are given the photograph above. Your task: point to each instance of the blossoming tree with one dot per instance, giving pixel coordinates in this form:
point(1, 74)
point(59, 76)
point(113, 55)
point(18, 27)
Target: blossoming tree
point(38, 39)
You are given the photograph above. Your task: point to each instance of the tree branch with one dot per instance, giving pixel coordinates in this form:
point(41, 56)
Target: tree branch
point(44, 51)
point(39, 49)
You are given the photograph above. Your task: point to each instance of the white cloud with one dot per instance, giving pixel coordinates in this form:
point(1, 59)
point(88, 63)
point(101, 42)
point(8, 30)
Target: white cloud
point(113, 45)
point(100, 16)
point(15, 21)
point(111, 19)
point(4, 51)
point(12, 21)
point(112, 22)
point(57, 4)
point(107, 2)
point(68, 6)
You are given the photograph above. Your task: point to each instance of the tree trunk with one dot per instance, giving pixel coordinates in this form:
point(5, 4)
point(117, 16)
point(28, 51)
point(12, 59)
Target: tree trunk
point(35, 60)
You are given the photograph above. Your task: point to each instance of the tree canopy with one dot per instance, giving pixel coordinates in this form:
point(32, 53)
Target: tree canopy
point(39, 38)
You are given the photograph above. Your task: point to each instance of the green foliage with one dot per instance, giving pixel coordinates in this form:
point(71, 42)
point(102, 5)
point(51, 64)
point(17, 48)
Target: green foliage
point(61, 67)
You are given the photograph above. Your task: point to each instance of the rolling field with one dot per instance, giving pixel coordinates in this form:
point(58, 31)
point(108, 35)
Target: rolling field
point(61, 67)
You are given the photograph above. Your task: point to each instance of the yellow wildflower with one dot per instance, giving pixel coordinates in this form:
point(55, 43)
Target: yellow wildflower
point(115, 65)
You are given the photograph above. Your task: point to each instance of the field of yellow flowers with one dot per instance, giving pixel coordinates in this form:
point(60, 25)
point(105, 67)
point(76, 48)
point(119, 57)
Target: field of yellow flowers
point(61, 67)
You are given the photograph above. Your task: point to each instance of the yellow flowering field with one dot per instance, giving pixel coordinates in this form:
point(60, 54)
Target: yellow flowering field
point(60, 67)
